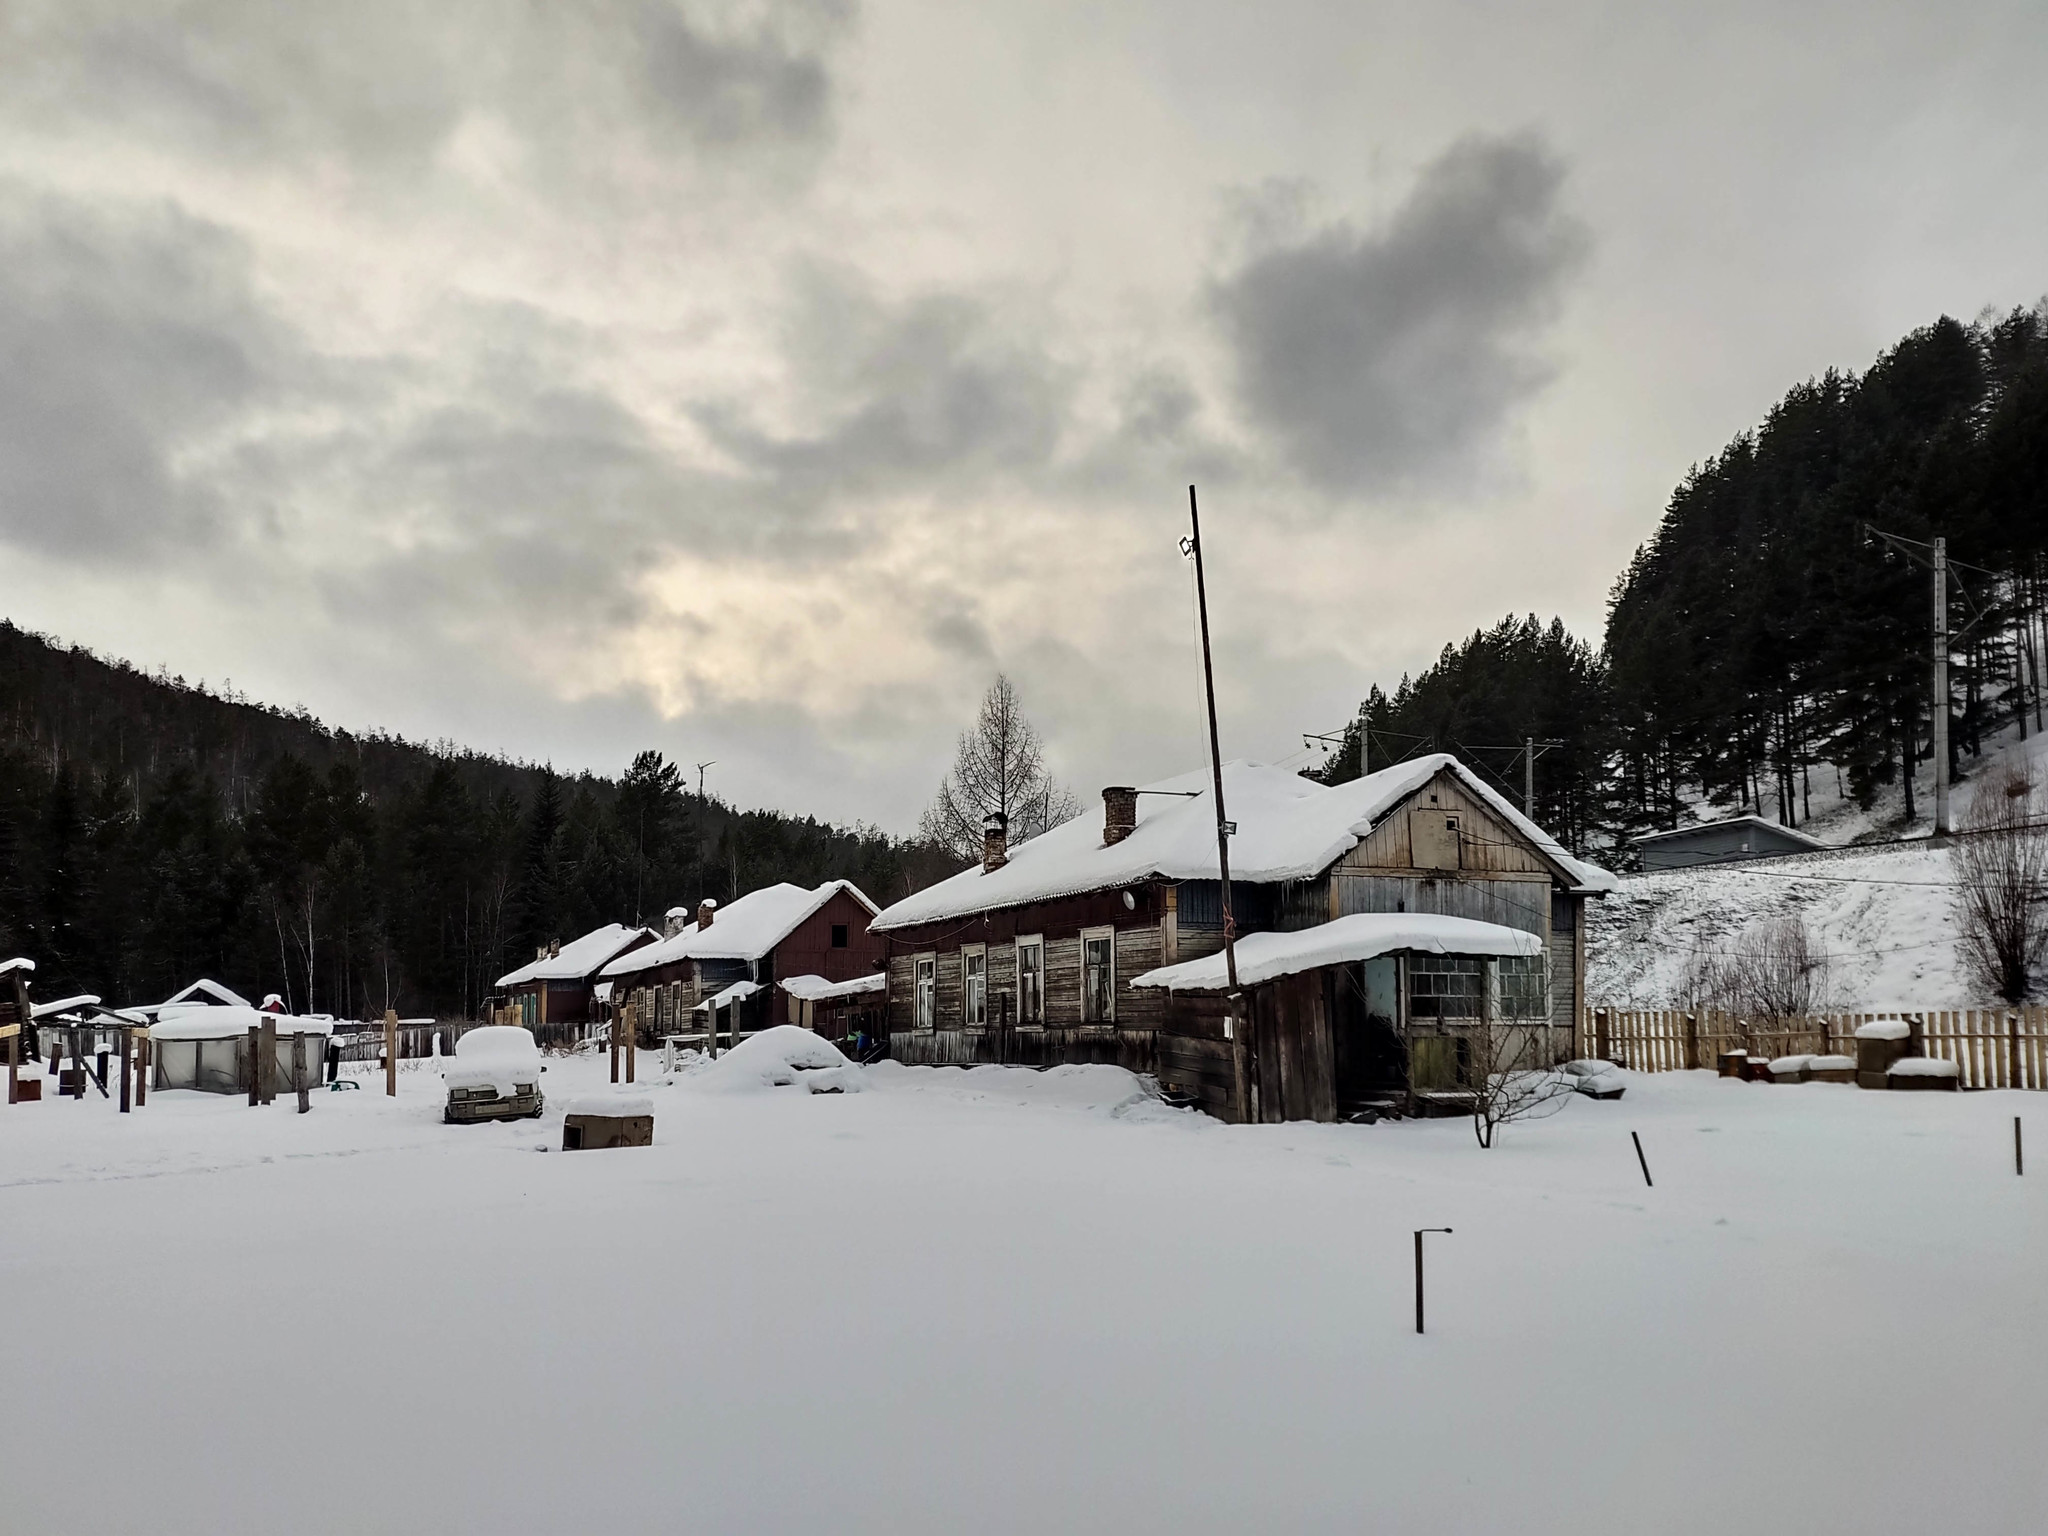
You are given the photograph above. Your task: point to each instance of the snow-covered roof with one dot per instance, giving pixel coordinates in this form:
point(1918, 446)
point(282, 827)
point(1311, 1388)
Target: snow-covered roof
point(1288, 828)
point(816, 989)
point(206, 992)
point(746, 930)
point(738, 992)
point(63, 1004)
point(222, 1021)
point(1360, 936)
point(1776, 829)
point(18, 963)
point(579, 957)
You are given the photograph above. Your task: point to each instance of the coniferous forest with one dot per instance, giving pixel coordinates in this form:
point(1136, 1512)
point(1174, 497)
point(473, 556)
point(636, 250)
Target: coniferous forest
point(1761, 637)
point(152, 831)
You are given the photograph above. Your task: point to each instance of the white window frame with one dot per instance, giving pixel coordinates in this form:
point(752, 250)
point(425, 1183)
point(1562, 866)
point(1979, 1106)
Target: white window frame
point(924, 991)
point(973, 987)
point(1031, 1009)
point(1107, 936)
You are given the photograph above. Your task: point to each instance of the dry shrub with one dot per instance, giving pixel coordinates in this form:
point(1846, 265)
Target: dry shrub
point(2000, 862)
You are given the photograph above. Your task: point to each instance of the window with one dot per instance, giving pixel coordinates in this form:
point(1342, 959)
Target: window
point(839, 935)
point(973, 985)
point(1098, 976)
point(1524, 987)
point(927, 990)
point(1031, 980)
point(1446, 986)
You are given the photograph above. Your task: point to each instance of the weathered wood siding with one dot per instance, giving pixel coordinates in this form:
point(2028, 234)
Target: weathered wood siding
point(1194, 1058)
point(1511, 901)
point(1487, 844)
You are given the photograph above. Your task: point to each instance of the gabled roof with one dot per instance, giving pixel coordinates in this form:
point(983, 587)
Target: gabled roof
point(206, 992)
point(1288, 828)
point(580, 958)
point(1790, 834)
point(746, 930)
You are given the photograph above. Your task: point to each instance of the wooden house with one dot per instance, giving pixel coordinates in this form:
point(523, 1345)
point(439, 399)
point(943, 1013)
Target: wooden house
point(1032, 956)
point(767, 936)
point(560, 984)
point(1730, 841)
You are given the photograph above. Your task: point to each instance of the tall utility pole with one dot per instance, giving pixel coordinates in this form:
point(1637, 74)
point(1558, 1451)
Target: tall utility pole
point(1529, 777)
point(700, 776)
point(1248, 1097)
point(1936, 560)
point(1941, 826)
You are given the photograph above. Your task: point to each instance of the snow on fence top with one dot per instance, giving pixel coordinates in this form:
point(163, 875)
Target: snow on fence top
point(1361, 936)
point(63, 1005)
point(816, 989)
point(746, 930)
point(18, 963)
point(1288, 828)
point(579, 957)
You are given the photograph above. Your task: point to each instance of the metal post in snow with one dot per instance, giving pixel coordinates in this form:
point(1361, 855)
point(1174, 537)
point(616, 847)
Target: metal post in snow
point(2019, 1156)
point(1418, 1271)
point(1632, 1136)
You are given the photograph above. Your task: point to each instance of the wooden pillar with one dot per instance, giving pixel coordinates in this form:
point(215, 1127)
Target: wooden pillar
point(390, 1053)
point(145, 1053)
point(1692, 1042)
point(632, 1046)
point(13, 1061)
point(266, 1060)
point(299, 1070)
point(618, 1028)
point(127, 1065)
point(255, 1074)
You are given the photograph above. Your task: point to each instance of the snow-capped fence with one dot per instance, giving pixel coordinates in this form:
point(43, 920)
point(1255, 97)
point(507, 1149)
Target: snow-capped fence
point(1991, 1047)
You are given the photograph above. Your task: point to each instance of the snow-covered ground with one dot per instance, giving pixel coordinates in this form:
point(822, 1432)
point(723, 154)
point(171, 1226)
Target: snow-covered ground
point(1005, 1301)
point(1883, 912)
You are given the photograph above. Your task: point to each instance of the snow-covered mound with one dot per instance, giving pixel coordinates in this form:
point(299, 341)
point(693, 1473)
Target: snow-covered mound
point(499, 1056)
point(783, 1057)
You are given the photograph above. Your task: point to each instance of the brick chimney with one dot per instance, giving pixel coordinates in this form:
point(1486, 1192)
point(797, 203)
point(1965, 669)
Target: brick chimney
point(554, 948)
point(677, 919)
point(706, 910)
point(1119, 813)
point(995, 842)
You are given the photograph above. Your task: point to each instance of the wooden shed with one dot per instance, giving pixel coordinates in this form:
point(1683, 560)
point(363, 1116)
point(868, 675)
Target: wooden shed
point(1028, 957)
point(1722, 842)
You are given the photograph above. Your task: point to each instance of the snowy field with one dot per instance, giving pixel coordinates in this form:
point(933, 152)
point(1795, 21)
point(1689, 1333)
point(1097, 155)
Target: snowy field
point(1002, 1301)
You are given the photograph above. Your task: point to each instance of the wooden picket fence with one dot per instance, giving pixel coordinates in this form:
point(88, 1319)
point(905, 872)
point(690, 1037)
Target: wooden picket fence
point(1991, 1047)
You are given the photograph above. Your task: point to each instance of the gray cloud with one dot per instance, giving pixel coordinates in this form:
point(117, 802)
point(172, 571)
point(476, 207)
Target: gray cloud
point(905, 393)
point(1392, 357)
point(129, 345)
point(387, 82)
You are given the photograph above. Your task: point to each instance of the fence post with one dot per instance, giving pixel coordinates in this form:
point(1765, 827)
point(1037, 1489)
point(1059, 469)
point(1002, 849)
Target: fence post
point(632, 1046)
point(127, 1053)
point(299, 1070)
point(390, 1053)
point(1600, 1034)
point(255, 1075)
point(1692, 1042)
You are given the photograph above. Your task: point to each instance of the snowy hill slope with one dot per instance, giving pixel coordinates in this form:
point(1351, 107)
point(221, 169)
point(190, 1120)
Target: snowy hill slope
point(1883, 911)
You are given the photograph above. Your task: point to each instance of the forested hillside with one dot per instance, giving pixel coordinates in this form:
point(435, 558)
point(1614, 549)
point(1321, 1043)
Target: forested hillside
point(152, 831)
point(1759, 635)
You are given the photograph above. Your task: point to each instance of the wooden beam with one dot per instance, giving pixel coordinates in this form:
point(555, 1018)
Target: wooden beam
point(390, 1053)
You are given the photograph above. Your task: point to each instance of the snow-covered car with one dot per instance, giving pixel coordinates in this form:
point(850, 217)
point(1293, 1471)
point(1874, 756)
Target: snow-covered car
point(494, 1075)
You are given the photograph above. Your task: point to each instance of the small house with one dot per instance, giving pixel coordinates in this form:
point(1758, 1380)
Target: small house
point(560, 984)
point(1721, 842)
point(766, 936)
point(1076, 946)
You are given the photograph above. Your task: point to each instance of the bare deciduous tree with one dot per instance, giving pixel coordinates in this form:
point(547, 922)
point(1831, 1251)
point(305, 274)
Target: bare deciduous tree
point(1777, 972)
point(1511, 1073)
point(2001, 881)
point(999, 766)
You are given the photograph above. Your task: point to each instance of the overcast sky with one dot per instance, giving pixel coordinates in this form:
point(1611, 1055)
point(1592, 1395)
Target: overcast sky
point(753, 382)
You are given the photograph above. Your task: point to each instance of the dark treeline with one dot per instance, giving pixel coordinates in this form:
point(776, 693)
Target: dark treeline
point(1760, 635)
point(152, 831)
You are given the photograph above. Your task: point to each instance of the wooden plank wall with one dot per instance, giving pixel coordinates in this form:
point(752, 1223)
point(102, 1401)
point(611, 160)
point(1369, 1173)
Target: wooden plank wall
point(1991, 1047)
